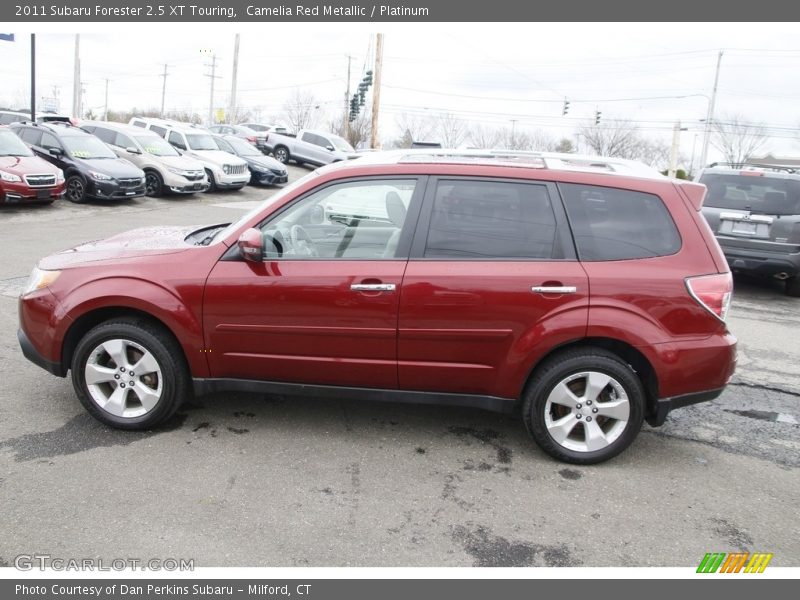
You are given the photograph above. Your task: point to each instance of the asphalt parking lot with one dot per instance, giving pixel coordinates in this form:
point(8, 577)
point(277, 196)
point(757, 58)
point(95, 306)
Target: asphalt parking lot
point(243, 480)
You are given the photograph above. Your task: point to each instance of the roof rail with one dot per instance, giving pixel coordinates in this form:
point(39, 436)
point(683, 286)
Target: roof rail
point(743, 165)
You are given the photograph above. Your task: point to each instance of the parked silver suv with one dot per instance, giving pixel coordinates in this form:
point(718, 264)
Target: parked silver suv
point(164, 167)
point(754, 211)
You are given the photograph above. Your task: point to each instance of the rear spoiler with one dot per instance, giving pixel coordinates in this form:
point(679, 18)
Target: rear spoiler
point(694, 193)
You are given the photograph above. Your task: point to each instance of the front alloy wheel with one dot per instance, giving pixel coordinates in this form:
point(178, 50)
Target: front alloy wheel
point(76, 189)
point(584, 406)
point(130, 374)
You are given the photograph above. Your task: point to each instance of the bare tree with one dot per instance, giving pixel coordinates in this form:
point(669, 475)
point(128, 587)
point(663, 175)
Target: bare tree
point(653, 152)
point(413, 128)
point(483, 137)
point(618, 138)
point(452, 130)
point(301, 110)
point(525, 139)
point(737, 139)
point(360, 129)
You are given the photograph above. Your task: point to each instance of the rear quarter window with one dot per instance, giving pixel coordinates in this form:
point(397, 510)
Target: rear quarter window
point(615, 224)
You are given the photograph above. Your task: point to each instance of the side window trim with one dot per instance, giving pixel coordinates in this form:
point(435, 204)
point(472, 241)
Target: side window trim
point(563, 233)
point(409, 226)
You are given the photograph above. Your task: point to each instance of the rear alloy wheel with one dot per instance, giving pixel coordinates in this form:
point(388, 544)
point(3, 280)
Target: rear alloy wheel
point(212, 184)
point(153, 183)
point(129, 374)
point(75, 189)
point(584, 406)
point(793, 287)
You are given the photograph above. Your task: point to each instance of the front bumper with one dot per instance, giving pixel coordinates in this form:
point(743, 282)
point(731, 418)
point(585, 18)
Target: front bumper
point(103, 190)
point(33, 355)
point(178, 184)
point(268, 177)
point(16, 193)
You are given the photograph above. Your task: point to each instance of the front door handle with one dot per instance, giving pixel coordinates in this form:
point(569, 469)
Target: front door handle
point(554, 289)
point(373, 287)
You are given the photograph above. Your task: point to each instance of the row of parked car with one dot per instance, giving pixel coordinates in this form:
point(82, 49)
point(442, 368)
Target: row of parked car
point(42, 161)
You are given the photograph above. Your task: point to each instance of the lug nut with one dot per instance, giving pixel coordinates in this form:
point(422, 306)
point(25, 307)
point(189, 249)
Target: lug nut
point(588, 403)
point(122, 385)
point(588, 419)
point(116, 376)
point(131, 383)
point(132, 374)
point(594, 410)
point(578, 406)
point(578, 416)
point(122, 369)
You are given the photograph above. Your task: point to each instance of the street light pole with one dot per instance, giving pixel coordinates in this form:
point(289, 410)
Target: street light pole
point(710, 115)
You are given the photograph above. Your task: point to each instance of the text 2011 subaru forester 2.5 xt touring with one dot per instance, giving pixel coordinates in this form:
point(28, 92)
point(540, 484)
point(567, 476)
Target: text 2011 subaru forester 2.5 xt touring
point(590, 293)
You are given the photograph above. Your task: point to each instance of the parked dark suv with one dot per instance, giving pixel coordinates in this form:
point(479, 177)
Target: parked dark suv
point(754, 210)
point(589, 293)
point(91, 168)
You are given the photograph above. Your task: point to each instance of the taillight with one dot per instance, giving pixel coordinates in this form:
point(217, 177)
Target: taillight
point(251, 139)
point(712, 292)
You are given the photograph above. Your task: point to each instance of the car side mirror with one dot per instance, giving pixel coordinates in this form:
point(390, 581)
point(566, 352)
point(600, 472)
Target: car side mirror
point(251, 245)
point(55, 151)
point(329, 148)
point(132, 150)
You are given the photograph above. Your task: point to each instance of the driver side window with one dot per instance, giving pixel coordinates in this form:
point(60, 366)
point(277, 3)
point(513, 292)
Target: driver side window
point(356, 220)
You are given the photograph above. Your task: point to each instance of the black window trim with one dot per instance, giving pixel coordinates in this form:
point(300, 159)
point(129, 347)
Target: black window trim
point(563, 232)
point(403, 245)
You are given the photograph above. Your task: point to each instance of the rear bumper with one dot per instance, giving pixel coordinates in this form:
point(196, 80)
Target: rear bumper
point(761, 262)
point(665, 405)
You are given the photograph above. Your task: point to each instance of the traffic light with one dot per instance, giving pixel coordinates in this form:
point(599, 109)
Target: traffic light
point(597, 114)
point(566, 107)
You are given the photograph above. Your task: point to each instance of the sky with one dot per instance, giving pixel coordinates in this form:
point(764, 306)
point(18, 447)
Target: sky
point(652, 74)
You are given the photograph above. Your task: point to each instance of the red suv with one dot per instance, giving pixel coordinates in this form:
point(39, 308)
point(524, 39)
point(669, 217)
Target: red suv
point(590, 293)
point(25, 177)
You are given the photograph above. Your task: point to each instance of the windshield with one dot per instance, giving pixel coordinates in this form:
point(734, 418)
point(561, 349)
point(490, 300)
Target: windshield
point(755, 193)
point(157, 146)
point(243, 148)
point(340, 143)
point(86, 146)
point(201, 141)
point(11, 145)
point(289, 189)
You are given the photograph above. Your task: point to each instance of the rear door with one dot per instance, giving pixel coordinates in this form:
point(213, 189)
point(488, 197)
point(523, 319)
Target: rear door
point(492, 279)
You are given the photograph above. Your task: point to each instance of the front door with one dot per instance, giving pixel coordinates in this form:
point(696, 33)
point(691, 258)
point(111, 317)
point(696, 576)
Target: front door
point(322, 306)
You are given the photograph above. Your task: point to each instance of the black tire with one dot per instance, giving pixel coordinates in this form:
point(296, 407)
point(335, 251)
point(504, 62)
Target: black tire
point(212, 184)
point(571, 364)
point(75, 189)
point(171, 382)
point(281, 154)
point(793, 287)
point(153, 183)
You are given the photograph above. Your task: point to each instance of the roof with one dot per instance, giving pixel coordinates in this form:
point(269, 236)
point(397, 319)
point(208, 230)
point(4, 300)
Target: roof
point(121, 127)
point(513, 158)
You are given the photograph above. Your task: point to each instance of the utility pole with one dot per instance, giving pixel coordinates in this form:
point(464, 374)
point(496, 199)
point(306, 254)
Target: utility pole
point(76, 79)
point(33, 77)
point(710, 115)
point(513, 129)
point(163, 90)
point(213, 76)
point(345, 120)
point(105, 107)
point(673, 151)
point(232, 109)
point(376, 95)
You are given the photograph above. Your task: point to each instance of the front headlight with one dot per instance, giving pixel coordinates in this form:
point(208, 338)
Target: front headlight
point(59, 176)
point(99, 176)
point(226, 169)
point(259, 169)
point(10, 177)
point(180, 172)
point(40, 279)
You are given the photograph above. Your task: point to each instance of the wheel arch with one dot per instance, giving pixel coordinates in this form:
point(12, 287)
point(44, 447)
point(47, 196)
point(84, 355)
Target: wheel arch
point(625, 351)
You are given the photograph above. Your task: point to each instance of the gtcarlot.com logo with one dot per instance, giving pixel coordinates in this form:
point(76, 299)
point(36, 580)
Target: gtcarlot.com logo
point(29, 562)
point(735, 562)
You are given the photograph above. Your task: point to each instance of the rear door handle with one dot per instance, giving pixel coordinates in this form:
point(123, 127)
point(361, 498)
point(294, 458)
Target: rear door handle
point(554, 289)
point(373, 287)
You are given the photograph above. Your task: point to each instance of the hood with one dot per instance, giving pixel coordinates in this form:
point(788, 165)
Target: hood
point(265, 161)
point(147, 241)
point(26, 165)
point(184, 163)
point(218, 157)
point(113, 167)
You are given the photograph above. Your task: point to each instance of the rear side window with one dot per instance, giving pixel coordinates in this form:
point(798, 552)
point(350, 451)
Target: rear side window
point(757, 193)
point(491, 220)
point(614, 224)
point(159, 130)
point(105, 134)
point(31, 135)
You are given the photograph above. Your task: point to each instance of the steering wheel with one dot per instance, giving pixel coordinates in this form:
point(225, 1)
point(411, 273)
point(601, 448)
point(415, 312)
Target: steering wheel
point(302, 244)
